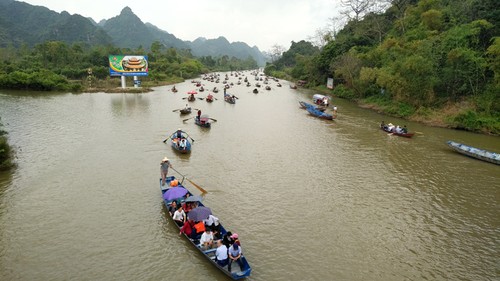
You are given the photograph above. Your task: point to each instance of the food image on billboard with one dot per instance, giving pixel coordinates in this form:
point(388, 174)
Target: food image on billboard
point(120, 65)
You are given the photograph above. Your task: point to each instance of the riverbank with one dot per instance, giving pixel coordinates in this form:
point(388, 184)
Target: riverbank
point(458, 116)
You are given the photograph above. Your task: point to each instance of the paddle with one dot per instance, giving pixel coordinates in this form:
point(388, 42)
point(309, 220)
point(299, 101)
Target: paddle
point(203, 191)
point(200, 98)
point(215, 120)
point(188, 118)
point(175, 110)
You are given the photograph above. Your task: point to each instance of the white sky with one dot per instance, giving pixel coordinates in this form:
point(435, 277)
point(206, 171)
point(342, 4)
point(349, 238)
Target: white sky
point(255, 22)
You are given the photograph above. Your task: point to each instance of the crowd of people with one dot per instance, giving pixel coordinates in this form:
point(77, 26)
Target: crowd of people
point(207, 234)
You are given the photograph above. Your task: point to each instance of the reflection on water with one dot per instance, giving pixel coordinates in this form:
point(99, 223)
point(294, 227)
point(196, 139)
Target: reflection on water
point(310, 199)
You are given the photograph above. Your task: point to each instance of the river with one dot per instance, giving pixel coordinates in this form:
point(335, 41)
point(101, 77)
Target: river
point(310, 199)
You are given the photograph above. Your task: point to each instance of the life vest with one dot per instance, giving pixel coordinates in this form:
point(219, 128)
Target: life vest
point(200, 227)
point(174, 183)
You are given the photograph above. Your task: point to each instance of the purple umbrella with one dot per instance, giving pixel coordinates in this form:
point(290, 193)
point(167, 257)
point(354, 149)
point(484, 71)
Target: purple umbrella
point(174, 193)
point(199, 213)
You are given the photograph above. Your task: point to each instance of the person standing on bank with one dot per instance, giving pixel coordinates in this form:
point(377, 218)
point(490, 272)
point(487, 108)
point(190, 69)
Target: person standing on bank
point(164, 165)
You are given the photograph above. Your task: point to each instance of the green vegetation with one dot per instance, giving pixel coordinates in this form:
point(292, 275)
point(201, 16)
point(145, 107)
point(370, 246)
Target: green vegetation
point(5, 151)
point(434, 61)
point(56, 66)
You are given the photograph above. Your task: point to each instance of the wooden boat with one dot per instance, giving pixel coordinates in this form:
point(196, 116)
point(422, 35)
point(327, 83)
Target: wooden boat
point(209, 98)
point(185, 111)
point(235, 272)
point(477, 153)
point(305, 105)
point(182, 145)
point(406, 135)
point(230, 99)
point(255, 91)
point(318, 113)
point(191, 98)
point(204, 121)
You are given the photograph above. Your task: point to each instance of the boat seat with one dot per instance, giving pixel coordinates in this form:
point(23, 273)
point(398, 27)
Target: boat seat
point(210, 251)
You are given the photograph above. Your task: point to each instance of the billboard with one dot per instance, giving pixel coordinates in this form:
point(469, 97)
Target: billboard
point(329, 83)
point(125, 65)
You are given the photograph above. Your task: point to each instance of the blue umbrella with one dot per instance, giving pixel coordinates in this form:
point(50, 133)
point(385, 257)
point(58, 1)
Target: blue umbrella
point(196, 198)
point(174, 193)
point(199, 213)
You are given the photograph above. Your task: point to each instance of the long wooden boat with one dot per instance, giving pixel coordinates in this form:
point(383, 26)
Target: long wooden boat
point(204, 121)
point(320, 114)
point(477, 153)
point(182, 145)
point(305, 105)
point(235, 272)
point(406, 135)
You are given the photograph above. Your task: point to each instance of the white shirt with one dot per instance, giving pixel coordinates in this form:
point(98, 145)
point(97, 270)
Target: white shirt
point(179, 215)
point(211, 220)
point(206, 237)
point(221, 252)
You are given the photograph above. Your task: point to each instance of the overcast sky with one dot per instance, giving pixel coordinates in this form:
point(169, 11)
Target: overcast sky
point(261, 23)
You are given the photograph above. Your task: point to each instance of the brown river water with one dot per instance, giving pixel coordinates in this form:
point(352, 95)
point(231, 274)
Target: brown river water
point(310, 199)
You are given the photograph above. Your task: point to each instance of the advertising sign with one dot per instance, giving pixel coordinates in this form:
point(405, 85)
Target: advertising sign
point(329, 83)
point(120, 65)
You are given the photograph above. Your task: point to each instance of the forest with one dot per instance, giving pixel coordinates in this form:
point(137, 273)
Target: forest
point(57, 66)
point(433, 61)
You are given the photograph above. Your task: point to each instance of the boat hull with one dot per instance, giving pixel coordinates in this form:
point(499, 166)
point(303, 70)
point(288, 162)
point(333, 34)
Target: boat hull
point(317, 113)
point(235, 272)
point(473, 152)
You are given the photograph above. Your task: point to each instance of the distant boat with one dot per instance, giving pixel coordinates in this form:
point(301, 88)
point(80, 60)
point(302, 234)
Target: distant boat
point(401, 134)
point(182, 145)
point(204, 121)
point(185, 110)
point(305, 105)
point(477, 153)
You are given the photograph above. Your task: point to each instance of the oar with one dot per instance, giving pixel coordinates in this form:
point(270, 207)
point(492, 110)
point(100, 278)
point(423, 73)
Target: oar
point(212, 119)
point(203, 191)
point(175, 110)
point(200, 98)
point(215, 98)
point(188, 119)
point(184, 98)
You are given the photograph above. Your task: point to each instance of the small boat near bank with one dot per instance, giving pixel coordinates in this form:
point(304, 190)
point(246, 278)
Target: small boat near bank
point(392, 130)
point(306, 105)
point(474, 152)
point(236, 273)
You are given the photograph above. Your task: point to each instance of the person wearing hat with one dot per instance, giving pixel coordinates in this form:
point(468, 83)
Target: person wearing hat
point(234, 254)
point(164, 165)
point(235, 239)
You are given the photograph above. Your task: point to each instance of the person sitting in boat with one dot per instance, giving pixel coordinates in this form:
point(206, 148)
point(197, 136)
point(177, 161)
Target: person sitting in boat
point(179, 216)
point(174, 89)
point(172, 208)
point(212, 222)
point(187, 229)
point(397, 129)
point(325, 101)
point(183, 143)
point(404, 130)
point(235, 239)
point(227, 240)
point(221, 257)
point(390, 127)
point(383, 125)
point(207, 239)
point(234, 254)
point(199, 114)
point(199, 228)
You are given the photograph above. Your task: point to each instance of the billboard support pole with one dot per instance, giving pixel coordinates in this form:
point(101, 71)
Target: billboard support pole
point(124, 85)
point(135, 82)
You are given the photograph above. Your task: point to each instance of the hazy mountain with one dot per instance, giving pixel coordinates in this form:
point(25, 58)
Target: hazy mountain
point(126, 30)
point(40, 24)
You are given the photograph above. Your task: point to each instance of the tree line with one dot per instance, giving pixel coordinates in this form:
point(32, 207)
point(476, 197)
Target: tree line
point(55, 65)
point(422, 60)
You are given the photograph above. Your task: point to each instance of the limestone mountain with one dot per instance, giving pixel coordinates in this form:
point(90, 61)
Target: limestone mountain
point(22, 23)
